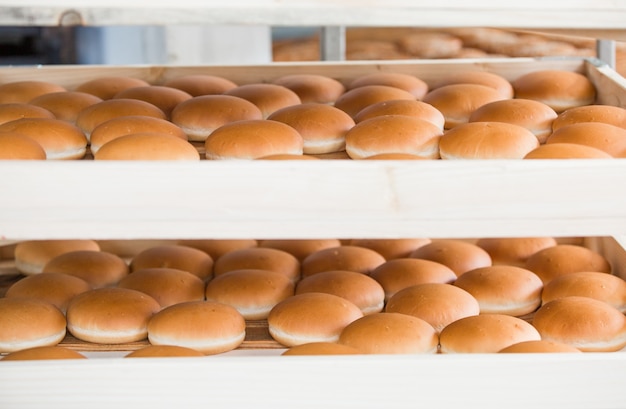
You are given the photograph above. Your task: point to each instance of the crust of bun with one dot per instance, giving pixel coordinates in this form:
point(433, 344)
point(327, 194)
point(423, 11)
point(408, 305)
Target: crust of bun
point(147, 146)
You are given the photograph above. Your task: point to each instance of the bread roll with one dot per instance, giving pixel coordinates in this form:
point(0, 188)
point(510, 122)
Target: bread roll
point(216, 248)
point(458, 255)
point(488, 79)
point(288, 156)
point(395, 156)
point(25, 91)
point(606, 137)
point(314, 88)
point(431, 45)
point(407, 82)
point(540, 346)
point(201, 84)
point(15, 146)
point(164, 98)
point(32, 255)
point(147, 146)
point(163, 351)
point(562, 259)
point(98, 268)
point(607, 114)
point(177, 256)
point(391, 248)
point(129, 248)
point(18, 110)
point(513, 250)
point(345, 257)
point(356, 99)
point(43, 353)
point(566, 151)
point(600, 286)
point(56, 288)
point(105, 87)
point(267, 97)
point(259, 258)
point(65, 105)
point(299, 248)
point(321, 348)
point(409, 107)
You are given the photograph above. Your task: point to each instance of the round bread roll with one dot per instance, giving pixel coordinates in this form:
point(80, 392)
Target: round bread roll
point(360, 289)
point(110, 315)
point(18, 110)
point(252, 292)
point(600, 286)
point(488, 79)
point(147, 146)
point(321, 348)
point(457, 102)
point(311, 317)
point(176, 256)
point(15, 146)
point(559, 89)
point(32, 255)
point(199, 116)
point(299, 248)
point(487, 140)
point(397, 274)
point(322, 127)
point(407, 82)
point(267, 97)
point(438, 304)
point(98, 268)
point(216, 248)
point(503, 289)
point(59, 139)
point(391, 134)
point(533, 115)
point(168, 286)
point(288, 156)
point(391, 248)
point(129, 248)
point(606, 137)
point(431, 45)
point(164, 98)
point(390, 333)
point(56, 288)
point(513, 250)
point(65, 105)
point(163, 351)
point(200, 84)
point(106, 87)
point(345, 257)
point(408, 107)
point(459, 255)
point(356, 99)
point(395, 156)
point(43, 353)
point(206, 326)
point(252, 139)
point(313, 88)
point(607, 114)
point(562, 259)
point(582, 322)
point(25, 91)
point(259, 258)
point(485, 333)
point(540, 346)
point(126, 125)
point(28, 322)
point(566, 151)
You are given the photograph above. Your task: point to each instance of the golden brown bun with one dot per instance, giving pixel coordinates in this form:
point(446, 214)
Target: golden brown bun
point(252, 292)
point(288, 156)
point(558, 89)
point(107, 86)
point(600, 286)
point(562, 259)
point(409, 107)
point(252, 139)
point(311, 317)
point(312, 87)
point(362, 290)
point(65, 105)
point(585, 323)
point(345, 257)
point(163, 351)
point(200, 84)
point(168, 286)
point(126, 125)
point(110, 315)
point(18, 110)
point(129, 248)
point(321, 348)
point(216, 248)
point(147, 146)
point(459, 255)
point(407, 82)
point(485, 333)
point(487, 140)
point(259, 258)
point(56, 288)
point(322, 127)
point(98, 268)
point(395, 156)
point(299, 248)
point(208, 327)
point(397, 274)
point(177, 256)
point(390, 333)
point(607, 114)
point(533, 115)
point(606, 137)
point(393, 134)
point(25, 91)
point(32, 255)
point(61, 140)
point(164, 98)
point(457, 102)
point(431, 45)
point(267, 97)
point(15, 146)
point(198, 117)
point(391, 248)
point(356, 99)
point(566, 151)
point(29, 322)
point(503, 289)
point(488, 79)
point(43, 353)
point(540, 346)
point(513, 250)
